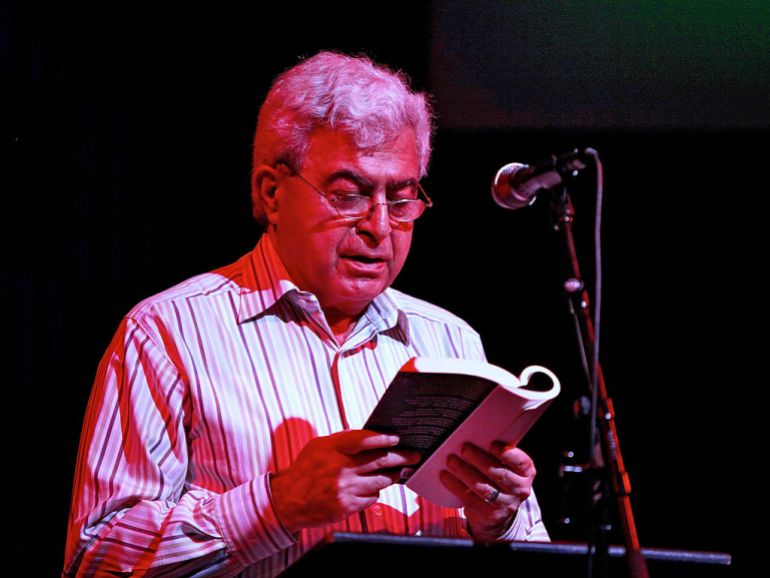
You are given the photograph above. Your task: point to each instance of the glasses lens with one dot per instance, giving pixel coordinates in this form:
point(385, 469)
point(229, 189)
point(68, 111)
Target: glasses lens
point(351, 205)
point(357, 206)
point(406, 210)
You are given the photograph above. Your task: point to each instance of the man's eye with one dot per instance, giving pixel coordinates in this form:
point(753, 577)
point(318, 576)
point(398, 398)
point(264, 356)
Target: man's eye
point(407, 194)
point(339, 193)
point(348, 201)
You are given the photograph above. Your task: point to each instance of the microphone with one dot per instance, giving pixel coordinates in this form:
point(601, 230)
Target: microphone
point(516, 185)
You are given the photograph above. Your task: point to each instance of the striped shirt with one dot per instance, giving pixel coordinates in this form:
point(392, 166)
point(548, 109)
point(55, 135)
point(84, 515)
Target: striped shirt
point(211, 385)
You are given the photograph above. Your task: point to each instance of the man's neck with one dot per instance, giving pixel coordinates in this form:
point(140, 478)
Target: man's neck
point(341, 325)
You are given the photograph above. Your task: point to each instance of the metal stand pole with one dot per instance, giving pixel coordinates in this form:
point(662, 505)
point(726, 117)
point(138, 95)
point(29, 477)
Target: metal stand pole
point(602, 417)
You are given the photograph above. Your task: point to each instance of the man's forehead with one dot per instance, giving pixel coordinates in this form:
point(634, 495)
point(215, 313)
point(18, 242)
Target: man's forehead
point(336, 152)
point(366, 181)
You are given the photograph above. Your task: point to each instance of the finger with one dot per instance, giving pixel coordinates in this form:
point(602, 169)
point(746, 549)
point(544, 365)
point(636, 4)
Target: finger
point(463, 493)
point(479, 458)
point(374, 460)
point(502, 477)
point(493, 468)
point(372, 485)
point(516, 459)
point(469, 475)
point(355, 441)
point(359, 503)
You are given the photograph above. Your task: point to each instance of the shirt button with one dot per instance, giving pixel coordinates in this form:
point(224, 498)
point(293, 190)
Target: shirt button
point(377, 509)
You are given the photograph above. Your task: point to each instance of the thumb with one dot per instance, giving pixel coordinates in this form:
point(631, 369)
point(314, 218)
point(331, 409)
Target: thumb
point(355, 441)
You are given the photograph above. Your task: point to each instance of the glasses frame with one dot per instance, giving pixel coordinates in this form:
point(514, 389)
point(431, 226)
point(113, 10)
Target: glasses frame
point(425, 201)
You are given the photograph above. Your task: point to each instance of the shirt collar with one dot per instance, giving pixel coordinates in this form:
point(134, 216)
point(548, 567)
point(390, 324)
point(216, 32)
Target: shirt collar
point(266, 281)
point(385, 315)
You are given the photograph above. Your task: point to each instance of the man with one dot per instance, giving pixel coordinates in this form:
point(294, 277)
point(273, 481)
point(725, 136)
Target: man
point(223, 436)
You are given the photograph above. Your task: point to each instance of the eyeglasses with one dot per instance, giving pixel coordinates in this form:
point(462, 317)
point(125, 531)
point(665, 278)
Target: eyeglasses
point(356, 206)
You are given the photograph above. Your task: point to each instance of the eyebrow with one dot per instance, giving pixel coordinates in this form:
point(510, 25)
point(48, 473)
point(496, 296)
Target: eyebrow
point(366, 183)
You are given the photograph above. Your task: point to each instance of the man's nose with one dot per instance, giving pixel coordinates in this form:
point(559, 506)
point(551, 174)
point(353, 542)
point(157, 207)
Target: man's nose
point(377, 223)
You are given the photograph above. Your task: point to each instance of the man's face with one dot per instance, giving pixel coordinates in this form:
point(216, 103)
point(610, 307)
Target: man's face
point(345, 262)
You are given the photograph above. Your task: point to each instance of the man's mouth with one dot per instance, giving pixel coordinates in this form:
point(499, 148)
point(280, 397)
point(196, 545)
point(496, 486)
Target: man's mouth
point(365, 265)
point(364, 258)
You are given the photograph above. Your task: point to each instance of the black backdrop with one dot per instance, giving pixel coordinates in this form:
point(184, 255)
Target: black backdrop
point(125, 162)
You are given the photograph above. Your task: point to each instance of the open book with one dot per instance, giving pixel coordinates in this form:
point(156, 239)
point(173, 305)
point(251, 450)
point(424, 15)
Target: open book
point(435, 405)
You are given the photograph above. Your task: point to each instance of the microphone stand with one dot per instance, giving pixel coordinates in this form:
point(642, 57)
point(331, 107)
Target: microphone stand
point(609, 458)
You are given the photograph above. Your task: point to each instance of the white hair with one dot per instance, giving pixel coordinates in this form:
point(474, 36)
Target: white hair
point(371, 102)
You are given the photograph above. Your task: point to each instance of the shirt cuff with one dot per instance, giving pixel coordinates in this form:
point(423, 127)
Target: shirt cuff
point(527, 525)
point(516, 529)
point(248, 522)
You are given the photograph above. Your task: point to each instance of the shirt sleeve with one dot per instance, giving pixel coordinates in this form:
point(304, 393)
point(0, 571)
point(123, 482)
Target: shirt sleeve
point(131, 508)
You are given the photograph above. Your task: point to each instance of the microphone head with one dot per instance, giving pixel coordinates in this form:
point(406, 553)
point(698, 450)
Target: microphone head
point(503, 193)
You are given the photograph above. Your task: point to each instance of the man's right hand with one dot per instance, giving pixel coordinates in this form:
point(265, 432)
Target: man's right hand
point(335, 476)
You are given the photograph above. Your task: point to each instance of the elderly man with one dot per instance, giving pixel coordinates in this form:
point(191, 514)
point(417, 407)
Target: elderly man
point(223, 436)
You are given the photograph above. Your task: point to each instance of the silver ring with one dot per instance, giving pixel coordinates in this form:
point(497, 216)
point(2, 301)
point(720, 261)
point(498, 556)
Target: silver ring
point(493, 496)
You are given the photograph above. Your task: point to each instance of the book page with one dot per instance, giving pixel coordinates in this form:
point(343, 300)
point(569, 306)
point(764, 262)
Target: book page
point(424, 408)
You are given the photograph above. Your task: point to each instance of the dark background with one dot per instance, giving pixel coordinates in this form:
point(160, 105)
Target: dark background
point(126, 132)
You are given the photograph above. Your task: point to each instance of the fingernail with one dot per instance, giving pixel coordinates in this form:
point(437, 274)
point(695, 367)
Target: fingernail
point(406, 473)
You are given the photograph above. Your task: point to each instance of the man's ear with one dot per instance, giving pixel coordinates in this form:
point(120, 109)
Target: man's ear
point(264, 187)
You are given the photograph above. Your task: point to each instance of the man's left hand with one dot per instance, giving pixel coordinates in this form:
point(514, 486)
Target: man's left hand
point(491, 484)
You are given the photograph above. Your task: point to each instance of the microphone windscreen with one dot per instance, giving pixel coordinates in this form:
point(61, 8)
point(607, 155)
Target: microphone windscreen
point(502, 192)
